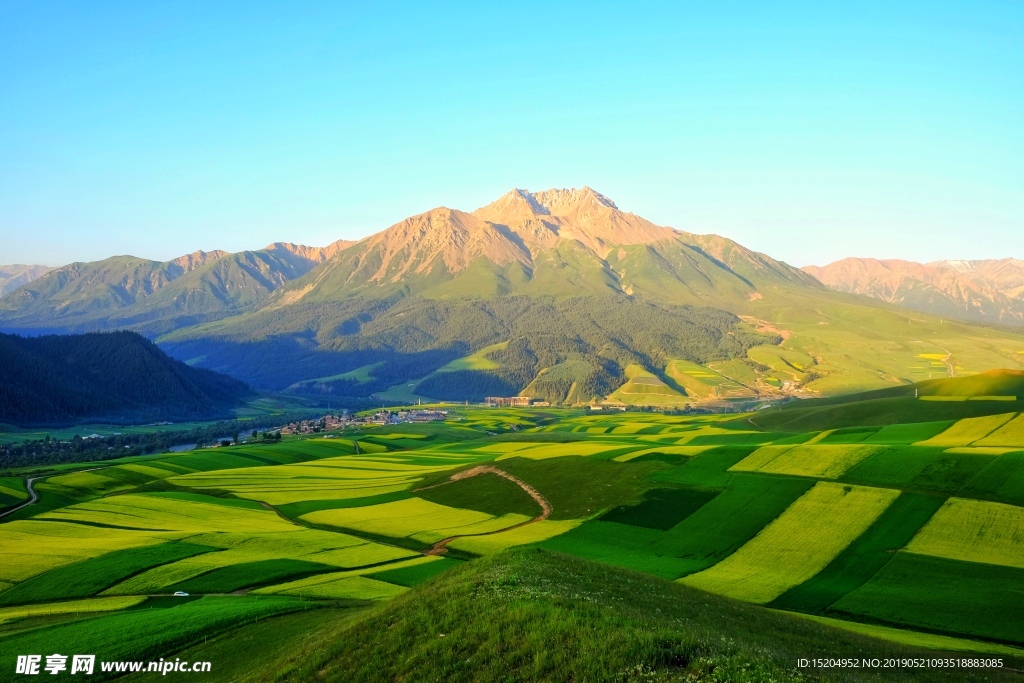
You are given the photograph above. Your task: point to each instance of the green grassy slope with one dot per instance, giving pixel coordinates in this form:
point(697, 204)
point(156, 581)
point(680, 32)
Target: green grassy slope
point(531, 615)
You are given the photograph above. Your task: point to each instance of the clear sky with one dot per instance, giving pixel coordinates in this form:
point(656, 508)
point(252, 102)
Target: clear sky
point(812, 133)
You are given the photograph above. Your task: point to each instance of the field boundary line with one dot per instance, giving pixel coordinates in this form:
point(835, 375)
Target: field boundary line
point(440, 547)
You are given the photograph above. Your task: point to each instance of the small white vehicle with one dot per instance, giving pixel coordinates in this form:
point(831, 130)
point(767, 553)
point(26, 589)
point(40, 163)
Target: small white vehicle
point(180, 594)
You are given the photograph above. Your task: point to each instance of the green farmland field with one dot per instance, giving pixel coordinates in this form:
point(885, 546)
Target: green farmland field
point(891, 530)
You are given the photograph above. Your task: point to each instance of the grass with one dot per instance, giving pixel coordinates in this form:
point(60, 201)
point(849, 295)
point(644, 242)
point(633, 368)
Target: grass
point(728, 521)
point(907, 433)
point(43, 546)
point(90, 577)
point(415, 574)
point(522, 535)
point(341, 586)
point(89, 606)
point(1002, 479)
point(703, 382)
point(153, 633)
point(414, 518)
point(862, 559)
point(271, 644)
point(660, 508)
point(710, 469)
point(974, 531)
point(12, 491)
point(967, 431)
point(797, 545)
point(582, 487)
point(643, 388)
point(538, 616)
point(250, 574)
point(1010, 434)
point(486, 493)
point(944, 596)
point(158, 513)
point(917, 468)
point(823, 461)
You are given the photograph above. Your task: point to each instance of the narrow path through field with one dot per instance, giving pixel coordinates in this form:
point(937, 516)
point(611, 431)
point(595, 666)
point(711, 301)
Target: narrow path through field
point(440, 547)
point(33, 496)
point(949, 364)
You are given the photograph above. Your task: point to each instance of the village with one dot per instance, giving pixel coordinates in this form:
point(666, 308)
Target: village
point(343, 419)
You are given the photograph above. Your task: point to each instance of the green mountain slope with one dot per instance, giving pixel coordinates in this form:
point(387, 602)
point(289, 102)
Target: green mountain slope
point(574, 279)
point(531, 615)
point(577, 288)
point(116, 377)
point(153, 296)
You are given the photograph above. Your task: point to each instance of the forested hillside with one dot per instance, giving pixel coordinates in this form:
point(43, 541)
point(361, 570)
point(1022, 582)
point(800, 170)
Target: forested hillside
point(411, 338)
point(116, 377)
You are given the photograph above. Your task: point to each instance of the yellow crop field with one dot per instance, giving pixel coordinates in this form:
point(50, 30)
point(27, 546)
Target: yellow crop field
point(974, 531)
point(561, 450)
point(1010, 434)
point(965, 432)
point(40, 546)
point(798, 544)
point(826, 461)
point(156, 513)
point(303, 544)
point(530, 533)
point(332, 586)
point(414, 517)
point(688, 451)
point(334, 478)
point(89, 605)
point(361, 555)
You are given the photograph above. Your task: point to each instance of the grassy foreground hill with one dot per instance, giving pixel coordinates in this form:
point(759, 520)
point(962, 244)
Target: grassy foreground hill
point(533, 615)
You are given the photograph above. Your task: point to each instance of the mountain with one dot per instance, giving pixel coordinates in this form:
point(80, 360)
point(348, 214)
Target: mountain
point(983, 291)
point(572, 288)
point(14, 276)
point(111, 377)
point(155, 296)
point(559, 295)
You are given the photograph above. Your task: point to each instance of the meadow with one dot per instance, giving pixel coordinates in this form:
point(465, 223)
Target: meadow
point(891, 532)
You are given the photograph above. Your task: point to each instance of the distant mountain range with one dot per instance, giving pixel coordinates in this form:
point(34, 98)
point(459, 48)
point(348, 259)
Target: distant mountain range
point(14, 276)
point(156, 296)
point(982, 291)
point(559, 295)
point(117, 377)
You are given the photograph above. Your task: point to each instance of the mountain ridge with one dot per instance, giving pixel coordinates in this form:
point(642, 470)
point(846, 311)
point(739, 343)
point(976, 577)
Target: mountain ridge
point(979, 290)
point(571, 296)
point(17, 275)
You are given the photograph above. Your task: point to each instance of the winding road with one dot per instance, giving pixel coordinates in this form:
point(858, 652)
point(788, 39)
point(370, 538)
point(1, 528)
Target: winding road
point(33, 497)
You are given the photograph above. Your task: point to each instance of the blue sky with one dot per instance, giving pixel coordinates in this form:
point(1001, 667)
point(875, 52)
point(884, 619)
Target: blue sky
point(812, 133)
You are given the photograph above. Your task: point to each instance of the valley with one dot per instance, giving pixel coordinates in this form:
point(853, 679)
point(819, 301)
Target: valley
point(887, 527)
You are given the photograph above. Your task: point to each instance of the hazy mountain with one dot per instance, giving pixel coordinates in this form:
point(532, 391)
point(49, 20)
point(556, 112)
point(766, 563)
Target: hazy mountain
point(155, 296)
point(118, 376)
point(990, 291)
point(16, 275)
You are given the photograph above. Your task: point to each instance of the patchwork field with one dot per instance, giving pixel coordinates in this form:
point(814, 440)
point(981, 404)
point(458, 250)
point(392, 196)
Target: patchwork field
point(906, 526)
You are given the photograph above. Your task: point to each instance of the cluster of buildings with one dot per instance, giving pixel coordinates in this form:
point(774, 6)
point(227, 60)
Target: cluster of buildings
point(398, 417)
point(513, 402)
point(323, 424)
